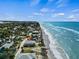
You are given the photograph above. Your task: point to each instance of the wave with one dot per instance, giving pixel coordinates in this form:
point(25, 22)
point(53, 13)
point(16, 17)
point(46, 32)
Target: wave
point(64, 28)
point(70, 37)
point(58, 51)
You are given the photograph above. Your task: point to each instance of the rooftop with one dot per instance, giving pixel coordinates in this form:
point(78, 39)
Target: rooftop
point(27, 56)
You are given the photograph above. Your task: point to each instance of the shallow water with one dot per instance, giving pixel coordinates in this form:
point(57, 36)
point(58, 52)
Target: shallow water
point(64, 38)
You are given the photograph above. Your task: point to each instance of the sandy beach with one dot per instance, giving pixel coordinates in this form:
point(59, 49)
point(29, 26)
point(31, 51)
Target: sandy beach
point(47, 42)
point(54, 50)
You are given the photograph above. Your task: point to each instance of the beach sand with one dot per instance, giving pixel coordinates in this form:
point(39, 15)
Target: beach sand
point(47, 42)
point(54, 50)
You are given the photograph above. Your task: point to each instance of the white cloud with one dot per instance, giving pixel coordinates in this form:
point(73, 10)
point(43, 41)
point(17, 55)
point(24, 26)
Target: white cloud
point(31, 17)
point(71, 17)
point(34, 2)
point(44, 10)
point(37, 14)
point(61, 3)
point(6, 17)
point(75, 10)
point(58, 14)
point(47, 10)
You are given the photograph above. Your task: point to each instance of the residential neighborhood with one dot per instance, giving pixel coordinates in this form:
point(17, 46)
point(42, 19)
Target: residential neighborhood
point(21, 40)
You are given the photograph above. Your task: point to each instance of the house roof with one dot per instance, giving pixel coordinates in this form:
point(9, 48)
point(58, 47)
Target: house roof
point(29, 42)
point(27, 56)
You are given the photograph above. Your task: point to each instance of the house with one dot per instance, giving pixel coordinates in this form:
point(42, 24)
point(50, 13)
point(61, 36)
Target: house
point(27, 56)
point(8, 45)
point(29, 43)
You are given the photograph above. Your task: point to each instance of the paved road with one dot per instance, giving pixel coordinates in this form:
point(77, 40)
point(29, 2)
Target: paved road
point(18, 52)
point(7, 45)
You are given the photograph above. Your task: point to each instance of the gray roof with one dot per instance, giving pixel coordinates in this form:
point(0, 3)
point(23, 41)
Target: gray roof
point(27, 56)
point(29, 42)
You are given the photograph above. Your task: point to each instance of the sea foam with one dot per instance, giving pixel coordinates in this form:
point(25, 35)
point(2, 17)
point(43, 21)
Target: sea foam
point(54, 46)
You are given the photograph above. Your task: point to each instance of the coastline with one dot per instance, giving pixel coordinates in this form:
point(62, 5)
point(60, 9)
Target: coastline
point(47, 43)
point(55, 51)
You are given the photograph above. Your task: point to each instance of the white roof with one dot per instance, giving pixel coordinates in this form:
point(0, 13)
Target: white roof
point(29, 42)
point(35, 31)
point(27, 56)
point(7, 45)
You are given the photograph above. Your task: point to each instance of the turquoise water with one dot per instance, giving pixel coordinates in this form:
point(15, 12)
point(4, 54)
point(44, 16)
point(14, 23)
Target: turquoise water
point(66, 35)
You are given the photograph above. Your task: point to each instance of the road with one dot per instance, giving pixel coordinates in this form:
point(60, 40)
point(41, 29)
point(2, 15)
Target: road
point(18, 52)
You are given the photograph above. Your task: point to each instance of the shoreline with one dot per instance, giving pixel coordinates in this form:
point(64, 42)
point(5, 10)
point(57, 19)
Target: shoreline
point(47, 43)
point(53, 51)
point(44, 45)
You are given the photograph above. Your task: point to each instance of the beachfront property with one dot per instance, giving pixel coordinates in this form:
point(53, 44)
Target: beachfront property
point(21, 40)
point(32, 49)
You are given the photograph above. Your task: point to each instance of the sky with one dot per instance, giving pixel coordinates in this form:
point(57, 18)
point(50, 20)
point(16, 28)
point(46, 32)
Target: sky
point(39, 10)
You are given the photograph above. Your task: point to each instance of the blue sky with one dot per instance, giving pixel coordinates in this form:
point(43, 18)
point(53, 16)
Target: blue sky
point(39, 10)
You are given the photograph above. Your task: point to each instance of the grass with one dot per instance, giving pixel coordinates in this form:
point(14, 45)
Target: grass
point(27, 50)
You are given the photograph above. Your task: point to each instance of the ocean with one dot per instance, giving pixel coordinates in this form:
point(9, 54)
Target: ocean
point(64, 39)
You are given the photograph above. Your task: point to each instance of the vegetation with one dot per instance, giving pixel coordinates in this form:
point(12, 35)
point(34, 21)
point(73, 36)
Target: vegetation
point(14, 32)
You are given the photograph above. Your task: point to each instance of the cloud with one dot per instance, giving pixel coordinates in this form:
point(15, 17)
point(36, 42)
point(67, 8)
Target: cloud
point(58, 14)
point(75, 10)
point(34, 2)
point(47, 10)
point(44, 10)
point(31, 17)
point(37, 14)
point(6, 17)
point(61, 3)
point(71, 17)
